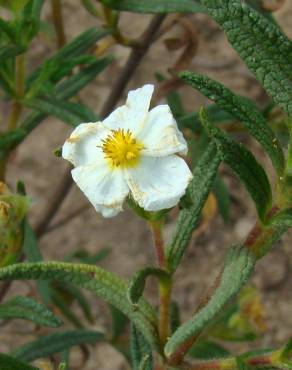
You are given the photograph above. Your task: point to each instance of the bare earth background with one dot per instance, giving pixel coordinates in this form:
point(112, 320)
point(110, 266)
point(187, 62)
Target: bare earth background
point(128, 236)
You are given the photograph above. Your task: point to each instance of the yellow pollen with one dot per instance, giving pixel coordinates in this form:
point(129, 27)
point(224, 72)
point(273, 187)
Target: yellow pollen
point(121, 149)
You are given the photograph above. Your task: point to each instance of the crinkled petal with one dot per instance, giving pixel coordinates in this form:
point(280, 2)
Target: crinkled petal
point(160, 135)
point(159, 183)
point(106, 189)
point(132, 115)
point(84, 144)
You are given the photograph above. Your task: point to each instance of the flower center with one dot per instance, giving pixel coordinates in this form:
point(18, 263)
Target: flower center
point(121, 148)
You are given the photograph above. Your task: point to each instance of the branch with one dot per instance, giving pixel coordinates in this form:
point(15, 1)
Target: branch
point(132, 64)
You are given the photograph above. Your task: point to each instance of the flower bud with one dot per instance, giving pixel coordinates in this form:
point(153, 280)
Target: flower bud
point(13, 208)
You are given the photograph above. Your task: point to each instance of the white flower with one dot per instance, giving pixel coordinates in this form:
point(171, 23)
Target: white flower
point(133, 151)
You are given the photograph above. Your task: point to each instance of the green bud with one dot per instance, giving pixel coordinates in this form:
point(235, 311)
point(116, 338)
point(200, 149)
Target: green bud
point(13, 208)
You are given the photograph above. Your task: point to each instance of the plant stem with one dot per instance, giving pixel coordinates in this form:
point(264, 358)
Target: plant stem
point(16, 106)
point(58, 22)
point(164, 286)
point(156, 229)
point(256, 361)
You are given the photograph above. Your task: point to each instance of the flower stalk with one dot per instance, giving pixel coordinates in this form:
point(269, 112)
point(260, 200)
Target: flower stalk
point(164, 284)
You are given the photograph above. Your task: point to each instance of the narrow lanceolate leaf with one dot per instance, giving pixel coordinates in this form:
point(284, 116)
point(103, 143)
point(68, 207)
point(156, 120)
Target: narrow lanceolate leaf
point(69, 112)
point(140, 351)
point(243, 110)
point(192, 120)
point(11, 363)
point(70, 52)
point(75, 83)
point(198, 191)
point(239, 263)
point(244, 164)
point(103, 283)
point(47, 345)
point(222, 195)
point(156, 6)
point(28, 309)
point(138, 281)
point(10, 51)
point(260, 43)
point(33, 254)
point(64, 90)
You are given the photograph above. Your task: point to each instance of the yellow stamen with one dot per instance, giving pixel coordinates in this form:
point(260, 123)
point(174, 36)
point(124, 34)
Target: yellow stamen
point(122, 149)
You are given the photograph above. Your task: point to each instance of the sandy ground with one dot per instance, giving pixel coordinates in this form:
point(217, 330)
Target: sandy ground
point(127, 236)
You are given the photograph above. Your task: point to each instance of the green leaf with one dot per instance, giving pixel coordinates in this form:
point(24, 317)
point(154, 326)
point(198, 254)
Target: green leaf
point(13, 5)
point(10, 51)
point(11, 363)
point(223, 198)
point(244, 164)
point(198, 190)
point(258, 6)
point(138, 281)
point(28, 24)
point(65, 90)
point(47, 345)
point(33, 254)
point(75, 294)
point(206, 350)
point(175, 320)
point(81, 43)
point(260, 43)
point(140, 351)
point(68, 112)
point(69, 56)
point(192, 120)
point(28, 309)
point(75, 83)
point(239, 263)
point(242, 109)
point(103, 283)
point(282, 218)
point(60, 302)
point(7, 28)
point(156, 6)
point(119, 322)
point(81, 255)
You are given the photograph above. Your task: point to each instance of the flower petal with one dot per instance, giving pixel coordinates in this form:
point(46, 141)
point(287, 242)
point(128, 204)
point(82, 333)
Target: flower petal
point(131, 116)
point(106, 189)
point(159, 183)
point(84, 144)
point(160, 135)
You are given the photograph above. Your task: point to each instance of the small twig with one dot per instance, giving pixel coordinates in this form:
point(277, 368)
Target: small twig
point(4, 289)
point(55, 203)
point(58, 22)
point(132, 64)
point(67, 218)
point(116, 92)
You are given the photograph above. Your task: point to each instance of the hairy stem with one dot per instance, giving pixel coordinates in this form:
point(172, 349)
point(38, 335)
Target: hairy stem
point(164, 286)
point(230, 363)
